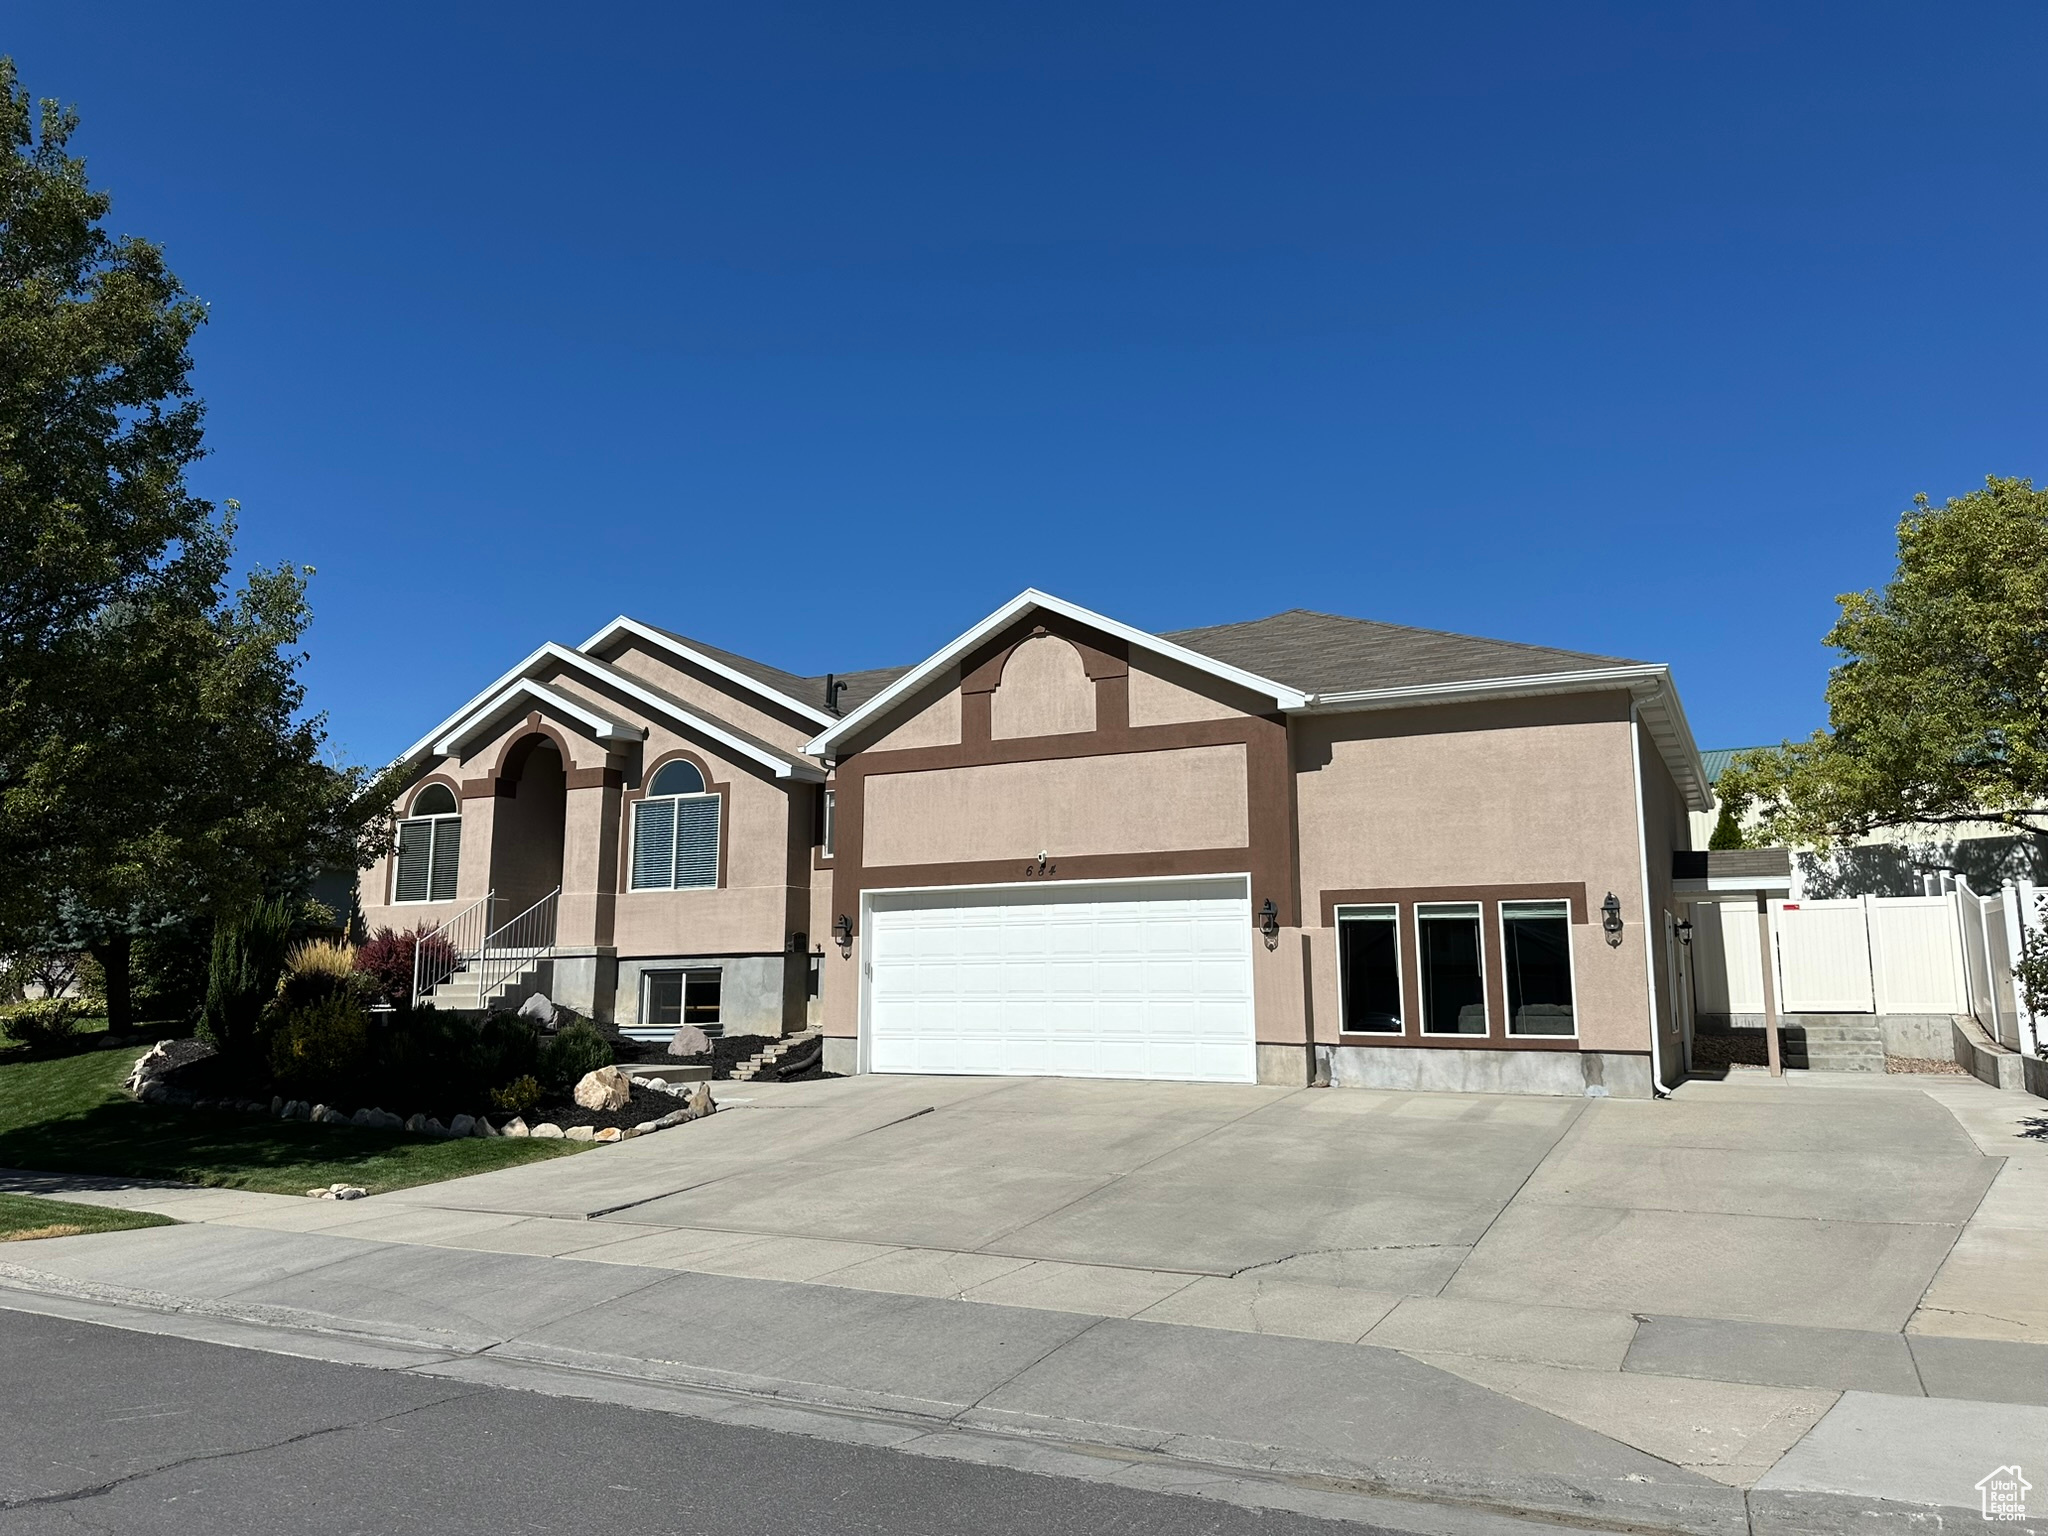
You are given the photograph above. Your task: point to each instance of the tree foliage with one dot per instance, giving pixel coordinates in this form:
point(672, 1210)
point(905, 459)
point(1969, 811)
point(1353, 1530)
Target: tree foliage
point(1938, 711)
point(156, 766)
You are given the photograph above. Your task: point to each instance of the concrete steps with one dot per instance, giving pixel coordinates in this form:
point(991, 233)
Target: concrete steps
point(780, 1051)
point(1841, 1042)
point(462, 993)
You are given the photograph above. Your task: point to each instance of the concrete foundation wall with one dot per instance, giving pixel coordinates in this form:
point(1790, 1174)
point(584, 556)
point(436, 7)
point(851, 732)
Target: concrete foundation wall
point(1569, 1073)
point(1283, 1065)
point(841, 1055)
point(750, 988)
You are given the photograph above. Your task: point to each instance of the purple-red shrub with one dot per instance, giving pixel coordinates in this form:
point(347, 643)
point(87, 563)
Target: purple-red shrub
point(386, 957)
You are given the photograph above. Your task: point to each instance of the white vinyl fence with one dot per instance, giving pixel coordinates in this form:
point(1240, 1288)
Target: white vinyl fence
point(1950, 952)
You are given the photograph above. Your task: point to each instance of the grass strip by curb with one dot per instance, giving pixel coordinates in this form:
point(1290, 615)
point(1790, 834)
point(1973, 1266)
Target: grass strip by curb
point(23, 1217)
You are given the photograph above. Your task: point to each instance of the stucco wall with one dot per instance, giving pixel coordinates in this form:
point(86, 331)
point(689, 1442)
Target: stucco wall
point(711, 695)
point(1045, 691)
point(1521, 792)
point(935, 724)
point(1165, 693)
point(1135, 802)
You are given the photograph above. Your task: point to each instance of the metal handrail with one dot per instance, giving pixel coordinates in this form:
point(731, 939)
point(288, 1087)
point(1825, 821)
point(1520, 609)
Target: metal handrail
point(513, 948)
point(461, 936)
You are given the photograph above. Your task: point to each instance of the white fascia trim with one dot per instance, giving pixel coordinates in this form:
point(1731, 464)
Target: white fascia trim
point(455, 721)
point(824, 745)
point(526, 687)
point(654, 637)
point(1650, 686)
point(611, 677)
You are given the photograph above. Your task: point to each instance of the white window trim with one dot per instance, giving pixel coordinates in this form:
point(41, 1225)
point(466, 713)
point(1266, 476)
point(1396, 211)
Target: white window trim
point(1372, 911)
point(430, 899)
point(1571, 959)
point(828, 822)
point(633, 847)
point(1478, 914)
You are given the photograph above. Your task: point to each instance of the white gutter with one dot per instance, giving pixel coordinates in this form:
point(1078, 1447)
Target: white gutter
point(1635, 762)
point(1649, 684)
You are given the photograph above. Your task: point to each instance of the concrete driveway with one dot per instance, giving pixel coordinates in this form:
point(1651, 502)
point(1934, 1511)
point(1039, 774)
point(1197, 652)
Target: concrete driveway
point(1815, 1206)
point(1703, 1281)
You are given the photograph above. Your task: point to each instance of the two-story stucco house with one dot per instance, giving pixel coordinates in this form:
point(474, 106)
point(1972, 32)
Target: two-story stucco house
point(1062, 845)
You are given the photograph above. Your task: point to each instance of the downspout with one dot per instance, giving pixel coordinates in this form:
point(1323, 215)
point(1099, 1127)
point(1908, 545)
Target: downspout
point(1635, 762)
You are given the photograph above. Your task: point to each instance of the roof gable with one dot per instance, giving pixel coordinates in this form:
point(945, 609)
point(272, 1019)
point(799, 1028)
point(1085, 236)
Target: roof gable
point(906, 685)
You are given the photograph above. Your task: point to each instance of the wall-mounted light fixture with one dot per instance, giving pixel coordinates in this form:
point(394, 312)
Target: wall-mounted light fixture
point(1610, 919)
point(1685, 931)
point(1269, 923)
point(842, 934)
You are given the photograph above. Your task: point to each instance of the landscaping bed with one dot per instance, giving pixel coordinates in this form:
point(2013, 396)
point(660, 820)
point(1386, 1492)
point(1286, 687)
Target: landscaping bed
point(727, 1052)
point(68, 1114)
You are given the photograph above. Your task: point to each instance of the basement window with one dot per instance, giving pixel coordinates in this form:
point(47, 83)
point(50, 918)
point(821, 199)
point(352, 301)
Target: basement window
point(681, 997)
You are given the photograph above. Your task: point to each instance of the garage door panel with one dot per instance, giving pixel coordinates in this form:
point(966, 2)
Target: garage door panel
point(1145, 980)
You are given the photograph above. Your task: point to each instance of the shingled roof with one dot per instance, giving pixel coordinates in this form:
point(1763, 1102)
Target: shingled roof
point(1310, 651)
point(860, 686)
point(1328, 653)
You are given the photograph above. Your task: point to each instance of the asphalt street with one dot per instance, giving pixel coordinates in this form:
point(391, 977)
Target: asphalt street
point(107, 1430)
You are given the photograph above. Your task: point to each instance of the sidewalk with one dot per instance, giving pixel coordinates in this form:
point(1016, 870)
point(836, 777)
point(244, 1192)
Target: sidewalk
point(1841, 1430)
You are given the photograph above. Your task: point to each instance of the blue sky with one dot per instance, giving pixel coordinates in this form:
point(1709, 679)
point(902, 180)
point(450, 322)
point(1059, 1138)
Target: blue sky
point(818, 331)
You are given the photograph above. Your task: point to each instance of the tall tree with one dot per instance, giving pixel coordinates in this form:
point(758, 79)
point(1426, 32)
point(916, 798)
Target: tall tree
point(1938, 711)
point(154, 762)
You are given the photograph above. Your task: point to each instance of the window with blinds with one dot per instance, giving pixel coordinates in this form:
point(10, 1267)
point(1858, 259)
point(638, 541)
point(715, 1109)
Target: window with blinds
point(429, 858)
point(675, 843)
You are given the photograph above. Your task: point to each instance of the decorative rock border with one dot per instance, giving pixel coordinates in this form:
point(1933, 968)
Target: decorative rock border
point(697, 1103)
point(146, 1084)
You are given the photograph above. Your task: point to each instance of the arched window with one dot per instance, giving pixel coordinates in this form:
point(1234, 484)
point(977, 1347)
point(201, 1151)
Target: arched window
point(429, 847)
point(675, 831)
point(677, 778)
point(434, 800)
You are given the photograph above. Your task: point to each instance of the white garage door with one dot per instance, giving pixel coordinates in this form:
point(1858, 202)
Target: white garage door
point(1149, 979)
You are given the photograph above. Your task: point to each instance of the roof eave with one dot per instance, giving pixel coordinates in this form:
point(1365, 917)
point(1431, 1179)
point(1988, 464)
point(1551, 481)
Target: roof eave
point(654, 637)
point(600, 728)
point(1649, 684)
point(827, 743)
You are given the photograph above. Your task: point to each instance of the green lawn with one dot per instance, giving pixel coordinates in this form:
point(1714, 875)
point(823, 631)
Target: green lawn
point(26, 1216)
point(67, 1114)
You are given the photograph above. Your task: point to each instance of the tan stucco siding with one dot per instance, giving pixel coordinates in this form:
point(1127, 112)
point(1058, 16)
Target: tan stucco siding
point(1163, 693)
point(936, 724)
point(710, 695)
point(1125, 803)
point(1531, 792)
point(1045, 691)
point(709, 922)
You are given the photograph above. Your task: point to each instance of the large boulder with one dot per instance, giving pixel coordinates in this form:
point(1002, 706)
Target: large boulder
point(538, 1011)
point(605, 1089)
point(689, 1041)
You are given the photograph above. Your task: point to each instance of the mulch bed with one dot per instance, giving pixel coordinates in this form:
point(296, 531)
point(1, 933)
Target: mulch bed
point(198, 1069)
point(727, 1052)
point(1932, 1065)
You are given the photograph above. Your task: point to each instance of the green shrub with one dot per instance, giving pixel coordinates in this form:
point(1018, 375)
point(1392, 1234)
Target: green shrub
point(42, 1023)
point(248, 958)
point(571, 1053)
point(318, 968)
point(320, 1044)
point(521, 1096)
point(508, 1047)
